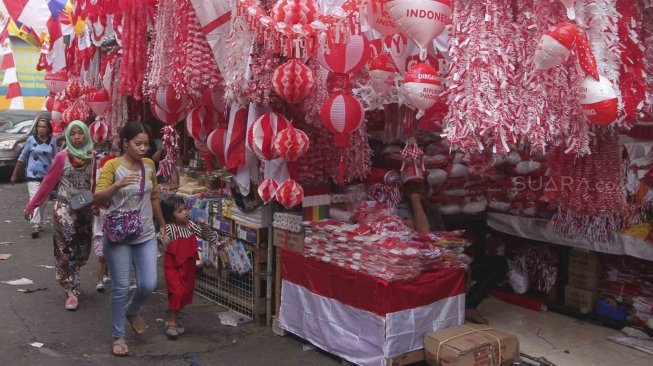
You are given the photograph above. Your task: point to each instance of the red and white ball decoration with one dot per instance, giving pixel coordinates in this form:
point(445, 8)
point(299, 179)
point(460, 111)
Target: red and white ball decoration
point(74, 113)
point(165, 117)
point(56, 81)
point(342, 114)
point(262, 133)
point(216, 144)
point(267, 189)
point(290, 194)
point(99, 132)
point(555, 46)
point(99, 100)
point(169, 101)
point(291, 143)
point(293, 81)
point(295, 11)
point(599, 101)
point(377, 16)
point(347, 56)
point(75, 89)
point(421, 20)
point(382, 72)
point(201, 121)
point(57, 110)
point(422, 87)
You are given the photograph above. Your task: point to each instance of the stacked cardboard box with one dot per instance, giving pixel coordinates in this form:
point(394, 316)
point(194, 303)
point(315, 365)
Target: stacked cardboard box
point(584, 275)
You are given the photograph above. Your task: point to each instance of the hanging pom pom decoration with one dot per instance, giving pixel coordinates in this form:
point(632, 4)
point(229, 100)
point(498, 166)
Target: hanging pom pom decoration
point(376, 15)
point(169, 101)
point(75, 89)
point(293, 81)
point(569, 5)
point(382, 72)
point(555, 46)
point(341, 114)
point(421, 20)
point(201, 121)
point(290, 194)
point(267, 189)
point(99, 100)
point(56, 81)
point(262, 133)
point(599, 101)
point(74, 113)
point(216, 144)
point(295, 11)
point(99, 132)
point(585, 56)
point(422, 87)
point(291, 143)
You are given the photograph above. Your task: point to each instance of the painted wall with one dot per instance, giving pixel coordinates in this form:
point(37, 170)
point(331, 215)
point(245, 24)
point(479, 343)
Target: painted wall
point(31, 81)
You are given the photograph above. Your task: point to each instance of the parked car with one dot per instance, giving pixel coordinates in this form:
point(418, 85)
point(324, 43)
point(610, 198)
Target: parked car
point(15, 127)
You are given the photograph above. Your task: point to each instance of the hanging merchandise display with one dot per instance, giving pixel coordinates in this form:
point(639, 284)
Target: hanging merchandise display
point(262, 134)
point(422, 87)
point(342, 54)
point(341, 114)
point(293, 81)
point(202, 120)
point(289, 194)
point(382, 72)
point(99, 100)
point(99, 132)
point(267, 189)
point(569, 5)
point(56, 81)
point(216, 144)
point(291, 143)
point(556, 46)
point(377, 16)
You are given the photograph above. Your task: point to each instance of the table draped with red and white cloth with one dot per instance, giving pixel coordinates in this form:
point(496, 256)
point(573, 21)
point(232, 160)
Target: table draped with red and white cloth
point(365, 319)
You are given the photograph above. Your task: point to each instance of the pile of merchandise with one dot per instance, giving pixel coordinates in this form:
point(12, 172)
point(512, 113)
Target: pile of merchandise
point(628, 282)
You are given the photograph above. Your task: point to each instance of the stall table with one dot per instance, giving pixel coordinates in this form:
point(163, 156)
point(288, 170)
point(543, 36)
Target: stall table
point(364, 319)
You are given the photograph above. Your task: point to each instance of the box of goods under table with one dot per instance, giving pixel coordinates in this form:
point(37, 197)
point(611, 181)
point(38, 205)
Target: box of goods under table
point(365, 319)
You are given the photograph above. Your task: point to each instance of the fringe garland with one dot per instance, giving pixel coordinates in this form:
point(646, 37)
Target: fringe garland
point(647, 45)
point(632, 81)
point(134, 41)
point(159, 72)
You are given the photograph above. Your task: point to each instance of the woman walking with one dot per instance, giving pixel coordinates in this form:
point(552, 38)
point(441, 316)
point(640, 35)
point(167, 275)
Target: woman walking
point(128, 186)
point(73, 169)
point(36, 158)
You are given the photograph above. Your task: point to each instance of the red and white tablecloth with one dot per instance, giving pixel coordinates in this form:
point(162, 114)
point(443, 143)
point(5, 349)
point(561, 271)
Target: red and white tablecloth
point(361, 318)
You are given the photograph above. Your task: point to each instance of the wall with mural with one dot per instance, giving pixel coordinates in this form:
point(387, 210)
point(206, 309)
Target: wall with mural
point(31, 81)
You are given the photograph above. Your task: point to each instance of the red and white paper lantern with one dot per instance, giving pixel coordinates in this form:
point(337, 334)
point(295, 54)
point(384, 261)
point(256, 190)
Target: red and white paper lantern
point(422, 87)
point(291, 143)
point(99, 132)
point(342, 114)
point(99, 100)
point(295, 11)
point(75, 89)
point(421, 20)
point(74, 113)
point(349, 55)
point(216, 144)
point(293, 81)
point(165, 117)
point(290, 194)
point(267, 189)
point(555, 46)
point(599, 101)
point(262, 134)
point(56, 81)
point(382, 73)
point(169, 101)
point(202, 120)
point(214, 98)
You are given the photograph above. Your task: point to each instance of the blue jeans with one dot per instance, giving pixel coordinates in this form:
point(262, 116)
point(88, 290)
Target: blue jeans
point(120, 258)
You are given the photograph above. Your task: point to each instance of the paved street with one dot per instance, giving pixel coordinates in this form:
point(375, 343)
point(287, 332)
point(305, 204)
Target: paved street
point(83, 337)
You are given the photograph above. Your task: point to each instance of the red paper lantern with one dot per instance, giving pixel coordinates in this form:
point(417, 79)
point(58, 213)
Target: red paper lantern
point(267, 190)
point(291, 143)
point(290, 194)
point(74, 113)
point(58, 108)
point(342, 114)
point(293, 81)
point(56, 81)
point(599, 101)
point(99, 100)
point(261, 135)
point(75, 89)
point(99, 132)
point(216, 144)
point(169, 101)
point(295, 11)
point(344, 57)
point(165, 117)
point(201, 121)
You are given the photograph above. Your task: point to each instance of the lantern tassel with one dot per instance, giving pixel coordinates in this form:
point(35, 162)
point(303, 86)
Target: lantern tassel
point(341, 170)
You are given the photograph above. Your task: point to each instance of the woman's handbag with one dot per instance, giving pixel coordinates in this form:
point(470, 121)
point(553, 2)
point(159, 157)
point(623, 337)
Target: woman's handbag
point(120, 226)
point(84, 199)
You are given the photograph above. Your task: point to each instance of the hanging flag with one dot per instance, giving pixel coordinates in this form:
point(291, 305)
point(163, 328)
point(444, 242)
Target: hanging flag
point(57, 53)
point(8, 65)
point(215, 18)
point(236, 131)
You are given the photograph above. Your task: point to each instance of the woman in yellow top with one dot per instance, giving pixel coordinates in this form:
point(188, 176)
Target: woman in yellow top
point(128, 183)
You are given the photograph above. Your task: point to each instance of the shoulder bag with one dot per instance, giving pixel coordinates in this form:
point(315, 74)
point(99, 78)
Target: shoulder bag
point(84, 199)
point(121, 226)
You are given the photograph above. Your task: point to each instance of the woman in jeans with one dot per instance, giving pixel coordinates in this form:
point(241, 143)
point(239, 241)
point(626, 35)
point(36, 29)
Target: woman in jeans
point(36, 157)
point(119, 188)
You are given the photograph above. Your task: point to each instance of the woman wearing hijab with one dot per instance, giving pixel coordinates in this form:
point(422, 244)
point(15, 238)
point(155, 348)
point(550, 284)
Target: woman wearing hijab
point(73, 230)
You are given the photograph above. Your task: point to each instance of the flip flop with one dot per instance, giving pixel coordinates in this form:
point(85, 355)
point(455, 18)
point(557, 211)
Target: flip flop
point(172, 332)
point(137, 324)
point(119, 348)
point(72, 302)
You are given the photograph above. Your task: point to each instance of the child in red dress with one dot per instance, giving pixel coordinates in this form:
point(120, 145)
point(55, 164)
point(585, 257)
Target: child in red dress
point(179, 260)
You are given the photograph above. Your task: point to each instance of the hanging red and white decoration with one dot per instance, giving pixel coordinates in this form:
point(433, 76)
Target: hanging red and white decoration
point(169, 101)
point(165, 117)
point(262, 133)
point(99, 132)
point(422, 87)
point(74, 113)
point(216, 144)
point(58, 108)
point(290, 194)
point(382, 72)
point(267, 189)
point(342, 114)
point(556, 46)
point(293, 81)
point(56, 81)
point(99, 100)
point(75, 89)
point(202, 120)
point(377, 16)
point(291, 143)
point(295, 11)
point(569, 5)
point(344, 55)
point(599, 101)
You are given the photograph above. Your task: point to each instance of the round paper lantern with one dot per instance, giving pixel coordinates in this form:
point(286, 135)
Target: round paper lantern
point(293, 81)
point(379, 19)
point(58, 108)
point(214, 98)
point(201, 121)
point(421, 20)
point(382, 73)
point(344, 57)
point(201, 146)
point(74, 113)
point(341, 114)
point(290, 194)
point(295, 11)
point(75, 89)
point(56, 81)
point(49, 102)
point(262, 133)
point(291, 143)
point(169, 101)
point(165, 117)
point(99, 132)
point(422, 87)
point(267, 189)
point(569, 4)
point(216, 144)
point(599, 101)
point(99, 100)
point(555, 46)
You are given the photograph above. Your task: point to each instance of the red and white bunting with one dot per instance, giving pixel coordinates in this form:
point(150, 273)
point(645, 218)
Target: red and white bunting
point(8, 65)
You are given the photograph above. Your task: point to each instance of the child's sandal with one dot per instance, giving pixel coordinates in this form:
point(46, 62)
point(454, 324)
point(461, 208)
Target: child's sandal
point(172, 332)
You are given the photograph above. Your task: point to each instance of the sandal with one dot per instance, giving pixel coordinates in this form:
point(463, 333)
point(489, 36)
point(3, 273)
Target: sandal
point(172, 331)
point(119, 348)
point(72, 302)
point(137, 324)
point(99, 287)
point(35, 232)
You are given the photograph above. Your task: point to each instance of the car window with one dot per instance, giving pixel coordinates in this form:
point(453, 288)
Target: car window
point(21, 127)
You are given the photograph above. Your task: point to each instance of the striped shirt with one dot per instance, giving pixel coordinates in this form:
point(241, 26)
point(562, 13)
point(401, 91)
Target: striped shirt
point(174, 232)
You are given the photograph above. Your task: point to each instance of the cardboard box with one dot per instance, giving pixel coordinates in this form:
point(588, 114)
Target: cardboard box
point(470, 345)
point(583, 260)
point(251, 234)
point(586, 279)
point(223, 224)
point(579, 298)
point(289, 240)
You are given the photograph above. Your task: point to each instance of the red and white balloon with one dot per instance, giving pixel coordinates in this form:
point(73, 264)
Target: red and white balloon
point(382, 73)
point(555, 46)
point(57, 110)
point(99, 132)
point(421, 20)
point(262, 134)
point(99, 100)
point(422, 87)
point(293, 81)
point(290, 194)
point(342, 114)
point(377, 16)
point(348, 55)
point(56, 81)
point(267, 189)
point(599, 101)
point(291, 143)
